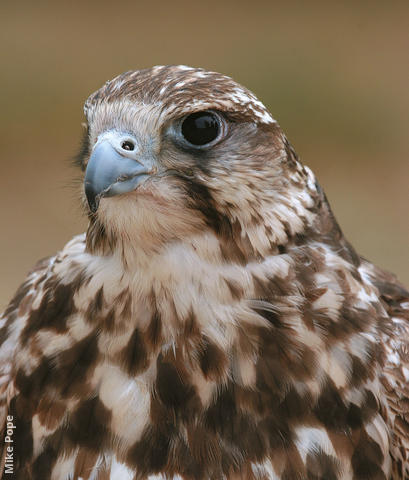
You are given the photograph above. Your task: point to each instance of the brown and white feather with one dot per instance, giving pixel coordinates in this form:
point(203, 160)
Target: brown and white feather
point(213, 324)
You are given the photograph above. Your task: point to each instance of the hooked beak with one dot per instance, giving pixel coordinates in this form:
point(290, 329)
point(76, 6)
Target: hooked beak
point(113, 168)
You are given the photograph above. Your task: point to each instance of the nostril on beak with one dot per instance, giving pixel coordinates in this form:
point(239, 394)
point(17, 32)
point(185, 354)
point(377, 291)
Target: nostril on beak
point(128, 145)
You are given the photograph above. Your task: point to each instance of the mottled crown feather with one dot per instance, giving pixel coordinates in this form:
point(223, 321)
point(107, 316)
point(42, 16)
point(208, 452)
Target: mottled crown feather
point(177, 88)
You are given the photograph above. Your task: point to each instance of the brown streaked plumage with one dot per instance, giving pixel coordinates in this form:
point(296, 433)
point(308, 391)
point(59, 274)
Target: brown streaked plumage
point(213, 323)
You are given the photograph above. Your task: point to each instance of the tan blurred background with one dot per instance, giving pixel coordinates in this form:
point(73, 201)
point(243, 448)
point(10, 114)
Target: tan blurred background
point(334, 74)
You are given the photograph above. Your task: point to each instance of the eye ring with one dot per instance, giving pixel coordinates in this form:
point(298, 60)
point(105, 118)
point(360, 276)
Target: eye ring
point(202, 129)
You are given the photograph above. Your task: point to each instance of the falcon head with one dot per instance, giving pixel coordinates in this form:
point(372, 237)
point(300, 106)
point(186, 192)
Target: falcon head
point(173, 152)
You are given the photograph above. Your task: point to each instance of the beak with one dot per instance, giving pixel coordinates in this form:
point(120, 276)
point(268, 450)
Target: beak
point(113, 168)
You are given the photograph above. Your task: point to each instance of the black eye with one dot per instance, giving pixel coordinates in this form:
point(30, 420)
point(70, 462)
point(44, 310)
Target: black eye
point(127, 145)
point(201, 128)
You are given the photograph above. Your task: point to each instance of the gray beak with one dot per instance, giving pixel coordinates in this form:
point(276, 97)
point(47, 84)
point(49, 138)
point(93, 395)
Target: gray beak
point(113, 168)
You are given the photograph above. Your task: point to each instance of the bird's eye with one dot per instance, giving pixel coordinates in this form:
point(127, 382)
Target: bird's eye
point(201, 128)
point(128, 145)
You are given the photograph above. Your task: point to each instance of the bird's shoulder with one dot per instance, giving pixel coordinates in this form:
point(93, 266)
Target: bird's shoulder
point(36, 291)
point(15, 319)
point(12, 322)
point(394, 298)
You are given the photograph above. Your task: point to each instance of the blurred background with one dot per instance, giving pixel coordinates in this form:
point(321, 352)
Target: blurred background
point(334, 74)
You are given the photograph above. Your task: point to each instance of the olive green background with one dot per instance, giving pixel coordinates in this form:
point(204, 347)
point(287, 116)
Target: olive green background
point(334, 74)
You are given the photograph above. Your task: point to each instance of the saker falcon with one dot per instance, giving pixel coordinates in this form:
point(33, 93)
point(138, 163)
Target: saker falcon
point(213, 322)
